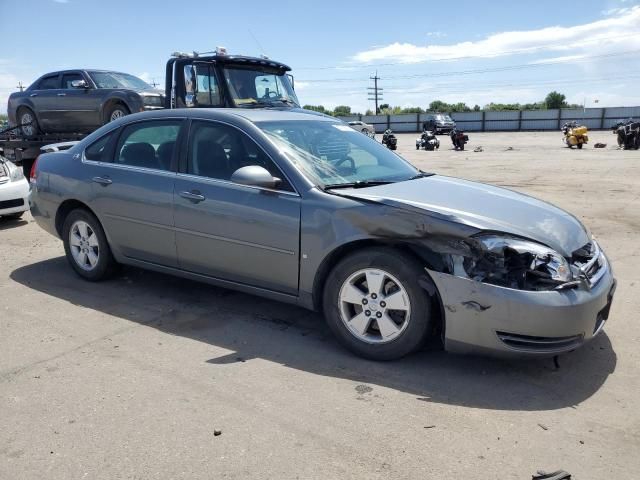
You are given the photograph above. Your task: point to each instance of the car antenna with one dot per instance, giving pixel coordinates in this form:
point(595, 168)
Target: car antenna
point(263, 54)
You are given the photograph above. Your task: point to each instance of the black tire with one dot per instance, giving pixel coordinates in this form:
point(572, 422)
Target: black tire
point(462, 146)
point(106, 264)
point(408, 271)
point(579, 146)
point(24, 112)
point(417, 147)
point(14, 216)
point(117, 108)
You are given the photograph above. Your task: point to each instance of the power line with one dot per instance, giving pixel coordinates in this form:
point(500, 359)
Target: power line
point(484, 70)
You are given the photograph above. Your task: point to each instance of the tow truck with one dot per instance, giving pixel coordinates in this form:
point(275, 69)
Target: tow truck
point(192, 80)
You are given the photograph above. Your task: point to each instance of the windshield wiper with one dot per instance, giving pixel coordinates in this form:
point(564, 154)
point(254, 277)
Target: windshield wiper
point(357, 184)
point(421, 175)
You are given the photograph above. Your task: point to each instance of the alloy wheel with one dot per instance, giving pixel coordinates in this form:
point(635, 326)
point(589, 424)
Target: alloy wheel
point(84, 245)
point(374, 306)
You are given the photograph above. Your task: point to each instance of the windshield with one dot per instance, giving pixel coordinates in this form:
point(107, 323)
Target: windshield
point(332, 153)
point(445, 118)
point(118, 80)
point(252, 87)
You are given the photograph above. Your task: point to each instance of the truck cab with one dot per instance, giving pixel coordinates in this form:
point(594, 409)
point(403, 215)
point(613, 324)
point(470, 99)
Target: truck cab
point(215, 79)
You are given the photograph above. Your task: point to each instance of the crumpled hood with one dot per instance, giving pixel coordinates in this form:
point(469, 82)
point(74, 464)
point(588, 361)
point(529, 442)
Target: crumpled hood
point(484, 207)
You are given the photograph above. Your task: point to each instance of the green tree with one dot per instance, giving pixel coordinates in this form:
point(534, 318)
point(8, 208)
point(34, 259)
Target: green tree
point(476, 108)
point(384, 106)
point(342, 110)
point(315, 108)
point(555, 100)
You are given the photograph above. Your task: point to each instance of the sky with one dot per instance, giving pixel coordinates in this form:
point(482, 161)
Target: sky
point(466, 51)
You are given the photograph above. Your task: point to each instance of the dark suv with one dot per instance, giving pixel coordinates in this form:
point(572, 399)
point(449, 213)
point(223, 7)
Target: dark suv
point(439, 123)
point(79, 101)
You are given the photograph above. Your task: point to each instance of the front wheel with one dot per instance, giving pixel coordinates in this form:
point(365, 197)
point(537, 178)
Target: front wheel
point(114, 112)
point(375, 306)
point(86, 246)
point(579, 146)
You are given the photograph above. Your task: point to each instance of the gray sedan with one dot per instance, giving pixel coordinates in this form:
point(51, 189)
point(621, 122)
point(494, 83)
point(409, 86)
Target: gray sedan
point(301, 208)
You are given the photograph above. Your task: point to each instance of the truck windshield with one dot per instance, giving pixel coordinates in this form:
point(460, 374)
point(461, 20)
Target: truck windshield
point(333, 154)
point(250, 87)
point(118, 80)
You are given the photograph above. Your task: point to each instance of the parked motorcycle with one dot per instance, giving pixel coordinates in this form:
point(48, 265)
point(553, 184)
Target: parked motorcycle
point(389, 140)
point(428, 141)
point(458, 138)
point(575, 135)
point(628, 134)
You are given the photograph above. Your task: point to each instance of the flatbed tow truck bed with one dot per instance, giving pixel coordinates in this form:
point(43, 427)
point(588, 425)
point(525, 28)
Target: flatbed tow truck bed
point(24, 150)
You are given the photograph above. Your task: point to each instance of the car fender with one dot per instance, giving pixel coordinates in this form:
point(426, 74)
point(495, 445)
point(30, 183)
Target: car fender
point(129, 98)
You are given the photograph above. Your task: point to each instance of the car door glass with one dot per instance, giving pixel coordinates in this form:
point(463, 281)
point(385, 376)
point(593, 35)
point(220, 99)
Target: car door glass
point(49, 83)
point(148, 144)
point(98, 151)
point(67, 78)
point(208, 93)
point(217, 150)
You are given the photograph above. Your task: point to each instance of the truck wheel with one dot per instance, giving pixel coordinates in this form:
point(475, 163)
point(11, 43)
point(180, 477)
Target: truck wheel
point(28, 118)
point(375, 306)
point(116, 111)
point(86, 246)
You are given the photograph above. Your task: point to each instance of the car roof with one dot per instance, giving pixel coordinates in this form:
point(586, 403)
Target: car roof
point(252, 115)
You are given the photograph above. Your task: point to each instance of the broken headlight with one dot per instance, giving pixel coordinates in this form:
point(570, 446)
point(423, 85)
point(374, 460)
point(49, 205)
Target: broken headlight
point(517, 263)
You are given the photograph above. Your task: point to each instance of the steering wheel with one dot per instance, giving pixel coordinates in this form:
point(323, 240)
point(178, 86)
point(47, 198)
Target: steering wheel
point(271, 94)
point(336, 163)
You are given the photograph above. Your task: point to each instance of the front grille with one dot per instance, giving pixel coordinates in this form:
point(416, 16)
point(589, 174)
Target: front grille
point(590, 261)
point(539, 344)
point(18, 202)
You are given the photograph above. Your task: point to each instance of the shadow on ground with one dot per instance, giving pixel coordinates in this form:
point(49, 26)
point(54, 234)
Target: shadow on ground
point(7, 223)
point(253, 327)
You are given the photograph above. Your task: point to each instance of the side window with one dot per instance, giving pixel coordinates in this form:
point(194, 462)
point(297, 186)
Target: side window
point(148, 144)
point(217, 150)
point(67, 78)
point(208, 91)
point(98, 151)
point(49, 83)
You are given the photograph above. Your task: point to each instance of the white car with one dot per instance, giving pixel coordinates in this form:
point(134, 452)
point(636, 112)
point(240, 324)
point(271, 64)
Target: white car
point(365, 128)
point(14, 190)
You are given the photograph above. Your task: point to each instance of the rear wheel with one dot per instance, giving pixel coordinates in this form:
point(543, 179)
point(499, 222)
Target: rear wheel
point(28, 119)
point(375, 306)
point(579, 146)
point(86, 246)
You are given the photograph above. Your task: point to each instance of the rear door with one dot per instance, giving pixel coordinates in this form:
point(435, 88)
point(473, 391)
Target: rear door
point(133, 190)
point(79, 108)
point(44, 99)
point(244, 234)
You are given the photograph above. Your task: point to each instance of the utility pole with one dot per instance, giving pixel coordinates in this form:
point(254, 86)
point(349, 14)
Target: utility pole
point(153, 83)
point(375, 91)
point(20, 86)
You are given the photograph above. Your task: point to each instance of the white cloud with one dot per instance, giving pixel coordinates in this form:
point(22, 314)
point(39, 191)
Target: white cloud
point(620, 31)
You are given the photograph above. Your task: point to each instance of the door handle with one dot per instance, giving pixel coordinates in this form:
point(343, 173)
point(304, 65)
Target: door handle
point(195, 196)
point(62, 94)
point(33, 95)
point(104, 181)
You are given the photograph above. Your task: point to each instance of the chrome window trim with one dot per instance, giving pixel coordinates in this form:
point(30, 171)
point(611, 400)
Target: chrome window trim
point(119, 166)
point(222, 182)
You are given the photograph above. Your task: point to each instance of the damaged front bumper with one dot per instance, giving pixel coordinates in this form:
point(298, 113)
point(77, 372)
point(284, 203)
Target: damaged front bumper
point(488, 319)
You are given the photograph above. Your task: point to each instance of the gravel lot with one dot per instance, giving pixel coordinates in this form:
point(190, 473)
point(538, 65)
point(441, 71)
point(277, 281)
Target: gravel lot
point(129, 379)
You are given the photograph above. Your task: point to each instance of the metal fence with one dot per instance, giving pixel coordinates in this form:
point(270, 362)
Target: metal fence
point(507, 120)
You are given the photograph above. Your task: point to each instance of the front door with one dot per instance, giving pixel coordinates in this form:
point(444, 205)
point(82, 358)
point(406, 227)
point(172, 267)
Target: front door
point(230, 231)
point(45, 102)
point(78, 108)
point(133, 190)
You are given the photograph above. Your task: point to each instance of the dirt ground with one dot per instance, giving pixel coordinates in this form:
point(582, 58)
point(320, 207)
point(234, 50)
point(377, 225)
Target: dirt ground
point(131, 378)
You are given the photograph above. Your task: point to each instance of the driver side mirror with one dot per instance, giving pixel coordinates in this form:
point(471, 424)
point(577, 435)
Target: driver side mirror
point(255, 176)
point(79, 84)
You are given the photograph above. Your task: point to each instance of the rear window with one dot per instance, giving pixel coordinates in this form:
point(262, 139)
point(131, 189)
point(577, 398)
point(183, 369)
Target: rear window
point(49, 83)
